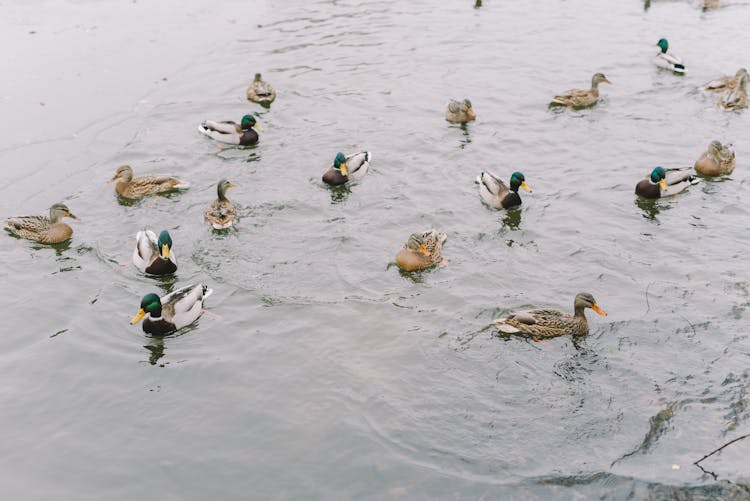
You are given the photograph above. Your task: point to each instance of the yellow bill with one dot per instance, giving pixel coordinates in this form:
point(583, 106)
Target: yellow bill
point(138, 317)
point(344, 170)
point(257, 127)
point(525, 186)
point(164, 251)
point(599, 310)
point(663, 184)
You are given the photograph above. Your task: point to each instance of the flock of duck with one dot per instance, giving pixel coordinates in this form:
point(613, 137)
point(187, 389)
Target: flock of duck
point(153, 255)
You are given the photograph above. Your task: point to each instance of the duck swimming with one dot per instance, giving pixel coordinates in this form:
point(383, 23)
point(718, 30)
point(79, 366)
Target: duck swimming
point(668, 61)
point(243, 134)
point(221, 213)
point(665, 182)
point(716, 160)
point(421, 250)
point(149, 184)
point(261, 91)
point(43, 229)
point(578, 98)
point(173, 311)
point(459, 111)
point(551, 323)
point(347, 168)
point(154, 255)
point(725, 83)
point(495, 193)
point(735, 99)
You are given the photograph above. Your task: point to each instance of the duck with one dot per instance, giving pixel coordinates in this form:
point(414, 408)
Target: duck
point(421, 251)
point(459, 111)
point(717, 159)
point(347, 168)
point(221, 213)
point(668, 61)
point(710, 4)
point(725, 83)
point(547, 323)
point(172, 312)
point(665, 182)
point(261, 91)
point(495, 193)
point(43, 229)
point(578, 98)
point(244, 134)
point(149, 184)
point(735, 99)
point(154, 255)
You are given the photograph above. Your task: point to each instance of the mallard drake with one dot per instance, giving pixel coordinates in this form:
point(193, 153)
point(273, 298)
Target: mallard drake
point(717, 159)
point(725, 83)
point(735, 99)
point(551, 323)
point(459, 111)
point(261, 91)
point(421, 250)
point(578, 98)
point(154, 255)
point(665, 182)
point(173, 311)
point(221, 212)
point(347, 168)
point(245, 133)
point(668, 61)
point(495, 193)
point(43, 229)
point(141, 186)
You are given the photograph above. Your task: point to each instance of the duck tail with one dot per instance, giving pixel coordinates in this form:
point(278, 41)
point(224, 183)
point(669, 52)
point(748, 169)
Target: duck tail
point(206, 291)
point(368, 156)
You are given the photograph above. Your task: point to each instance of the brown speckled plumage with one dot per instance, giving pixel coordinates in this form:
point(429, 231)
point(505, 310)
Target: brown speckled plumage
point(421, 251)
point(149, 184)
point(43, 229)
point(221, 213)
point(551, 323)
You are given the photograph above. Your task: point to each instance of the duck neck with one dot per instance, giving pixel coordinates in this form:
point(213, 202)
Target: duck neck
point(221, 191)
point(578, 311)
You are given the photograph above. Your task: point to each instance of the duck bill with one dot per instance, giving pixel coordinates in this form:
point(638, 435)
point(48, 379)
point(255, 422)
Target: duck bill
point(424, 251)
point(165, 251)
point(525, 186)
point(72, 216)
point(607, 81)
point(257, 127)
point(112, 180)
point(663, 185)
point(344, 170)
point(601, 312)
point(138, 317)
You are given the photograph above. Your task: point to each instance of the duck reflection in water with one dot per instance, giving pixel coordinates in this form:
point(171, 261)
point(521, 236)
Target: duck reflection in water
point(156, 350)
point(651, 207)
point(467, 138)
point(512, 218)
point(477, 4)
point(340, 194)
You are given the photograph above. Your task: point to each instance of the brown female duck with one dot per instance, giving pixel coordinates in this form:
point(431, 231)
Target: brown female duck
point(551, 323)
point(261, 91)
point(459, 111)
point(42, 229)
point(579, 98)
point(421, 251)
point(716, 160)
point(150, 184)
point(221, 213)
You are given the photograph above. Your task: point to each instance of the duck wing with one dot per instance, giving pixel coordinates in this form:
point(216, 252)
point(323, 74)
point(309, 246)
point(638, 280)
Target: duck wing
point(27, 225)
point(494, 184)
point(146, 249)
point(358, 163)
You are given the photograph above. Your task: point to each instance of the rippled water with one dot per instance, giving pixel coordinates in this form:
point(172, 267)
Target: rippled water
point(323, 372)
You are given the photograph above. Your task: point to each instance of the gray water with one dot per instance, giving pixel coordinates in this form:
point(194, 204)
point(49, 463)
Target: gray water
point(321, 371)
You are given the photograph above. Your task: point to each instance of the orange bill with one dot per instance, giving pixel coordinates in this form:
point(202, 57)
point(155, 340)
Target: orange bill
point(599, 310)
point(138, 317)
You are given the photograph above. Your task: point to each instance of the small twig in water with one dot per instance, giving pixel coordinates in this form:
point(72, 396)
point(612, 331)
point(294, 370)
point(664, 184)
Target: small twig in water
point(720, 448)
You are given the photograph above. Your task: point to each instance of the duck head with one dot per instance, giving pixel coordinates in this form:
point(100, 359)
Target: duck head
point(59, 211)
point(123, 172)
point(517, 180)
point(150, 304)
point(164, 242)
point(658, 176)
point(222, 187)
point(663, 45)
point(586, 300)
point(249, 122)
point(339, 162)
point(599, 78)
